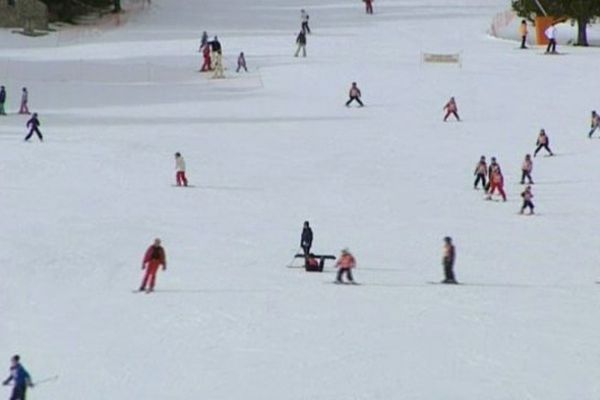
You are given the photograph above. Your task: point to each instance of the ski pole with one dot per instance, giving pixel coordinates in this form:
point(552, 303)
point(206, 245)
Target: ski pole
point(46, 380)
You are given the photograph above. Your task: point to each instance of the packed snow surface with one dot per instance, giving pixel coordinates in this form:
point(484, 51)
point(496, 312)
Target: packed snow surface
point(269, 149)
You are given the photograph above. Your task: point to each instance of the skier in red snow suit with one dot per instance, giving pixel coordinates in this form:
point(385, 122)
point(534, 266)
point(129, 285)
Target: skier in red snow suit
point(368, 6)
point(206, 66)
point(496, 182)
point(345, 264)
point(180, 168)
point(451, 109)
point(153, 259)
point(480, 173)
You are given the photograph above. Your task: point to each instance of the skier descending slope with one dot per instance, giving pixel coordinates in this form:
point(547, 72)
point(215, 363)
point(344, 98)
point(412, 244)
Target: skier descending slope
point(496, 180)
point(180, 168)
point(543, 142)
point(155, 257)
point(595, 123)
point(451, 109)
point(526, 169)
point(34, 127)
point(20, 379)
point(345, 264)
point(527, 202)
point(355, 95)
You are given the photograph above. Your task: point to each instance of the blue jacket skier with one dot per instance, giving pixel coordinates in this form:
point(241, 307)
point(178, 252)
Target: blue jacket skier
point(20, 378)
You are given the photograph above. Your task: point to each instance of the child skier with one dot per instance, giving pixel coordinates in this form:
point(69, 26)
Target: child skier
point(301, 42)
point(496, 181)
point(2, 100)
point(241, 62)
point(207, 62)
point(451, 109)
point(306, 238)
point(526, 169)
point(480, 173)
point(153, 258)
point(543, 142)
point(523, 31)
point(345, 264)
point(368, 6)
point(594, 125)
point(449, 255)
point(20, 379)
point(527, 203)
point(180, 168)
point(354, 94)
point(304, 19)
point(24, 100)
point(33, 125)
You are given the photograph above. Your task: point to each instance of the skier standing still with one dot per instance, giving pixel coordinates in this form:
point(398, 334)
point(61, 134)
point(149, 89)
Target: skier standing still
point(551, 33)
point(496, 180)
point(451, 109)
point(153, 258)
point(241, 62)
point(24, 100)
point(480, 173)
point(543, 142)
point(20, 379)
point(523, 31)
point(180, 168)
point(306, 238)
point(2, 100)
point(526, 169)
point(355, 95)
point(345, 264)
point(448, 258)
point(368, 6)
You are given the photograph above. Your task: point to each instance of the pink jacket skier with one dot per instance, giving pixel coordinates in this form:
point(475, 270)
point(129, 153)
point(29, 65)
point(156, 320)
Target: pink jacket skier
point(24, 99)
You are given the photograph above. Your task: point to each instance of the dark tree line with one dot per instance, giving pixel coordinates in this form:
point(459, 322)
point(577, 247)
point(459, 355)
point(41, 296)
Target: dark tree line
point(66, 10)
point(581, 11)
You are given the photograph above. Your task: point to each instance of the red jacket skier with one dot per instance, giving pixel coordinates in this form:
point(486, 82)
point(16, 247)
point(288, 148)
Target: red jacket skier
point(206, 66)
point(451, 109)
point(496, 181)
point(153, 258)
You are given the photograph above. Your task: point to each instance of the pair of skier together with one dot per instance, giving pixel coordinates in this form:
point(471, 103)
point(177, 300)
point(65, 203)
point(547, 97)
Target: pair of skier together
point(23, 109)
point(346, 261)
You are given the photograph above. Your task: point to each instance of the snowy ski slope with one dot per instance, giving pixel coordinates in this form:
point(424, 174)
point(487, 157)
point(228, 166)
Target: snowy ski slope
point(268, 150)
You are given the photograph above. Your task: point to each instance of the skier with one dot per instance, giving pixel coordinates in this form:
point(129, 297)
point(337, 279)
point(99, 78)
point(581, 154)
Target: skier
point(542, 142)
point(215, 45)
point(241, 62)
point(306, 238)
point(526, 169)
point(496, 180)
point(480, 173)
point(207, 64)
point(345, 264)
point(301, 42)
point(594, 125)
point(24, 99)
point(219, 71)
point(368, 6)
point(2, 100)
point(153, 259)
point(312, 264)
point(20, 379)
point(180, 168)
point(354, 94)
point(448, 258)
point(551, 35)
point(527, 203)
point(451, 108)
point(523, 31)
point(304, 18)
point(33, 125)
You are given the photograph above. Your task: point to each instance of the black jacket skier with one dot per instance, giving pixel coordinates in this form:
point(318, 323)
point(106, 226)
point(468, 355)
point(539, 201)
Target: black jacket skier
point(306, 239)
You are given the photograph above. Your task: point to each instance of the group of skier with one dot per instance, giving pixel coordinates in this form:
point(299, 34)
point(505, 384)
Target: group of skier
point(23, 108)
point(550, 32)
